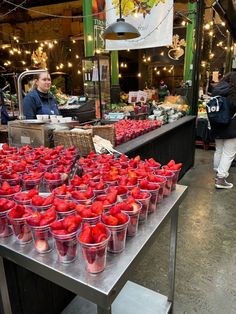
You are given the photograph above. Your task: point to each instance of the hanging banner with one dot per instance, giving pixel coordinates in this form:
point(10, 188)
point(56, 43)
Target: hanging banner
point(153, 19)
point(99, 22)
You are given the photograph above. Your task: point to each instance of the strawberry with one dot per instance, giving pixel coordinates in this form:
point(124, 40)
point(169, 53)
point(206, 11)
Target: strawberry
point(37, 200)
point(48, 200)
point(56, 225)
point(122, 218)
point(41, 245)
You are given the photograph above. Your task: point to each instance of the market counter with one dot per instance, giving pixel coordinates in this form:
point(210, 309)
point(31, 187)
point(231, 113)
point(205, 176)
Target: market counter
point(175, 140)
point(103, 288)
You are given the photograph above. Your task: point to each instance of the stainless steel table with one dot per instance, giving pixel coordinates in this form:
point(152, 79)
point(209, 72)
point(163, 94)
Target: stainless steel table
point(102, 289)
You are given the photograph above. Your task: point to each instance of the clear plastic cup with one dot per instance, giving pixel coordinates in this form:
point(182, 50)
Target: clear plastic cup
point(95, 255)
point(41, 209)
point(133, 222)
point(62, 215)
point(66, 246)
point(175, 179)
point(92, 220)
point(153, 200)
point(43, 240)
point(5, 228)
point(20, 201)
point(162, 183)
point(21, 230)
point(145, 206)
point(116, 243)
point(12, 182)
point(31, 184)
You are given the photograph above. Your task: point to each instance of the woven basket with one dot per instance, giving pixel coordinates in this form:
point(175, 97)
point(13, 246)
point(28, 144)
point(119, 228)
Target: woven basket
point(84, 142)
point(105, 131)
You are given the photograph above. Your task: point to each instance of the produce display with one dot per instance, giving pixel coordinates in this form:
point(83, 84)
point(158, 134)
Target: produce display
point(101, 200)
point(130, 129)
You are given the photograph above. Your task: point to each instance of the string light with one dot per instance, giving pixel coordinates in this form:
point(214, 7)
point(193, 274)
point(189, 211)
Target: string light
point(119, 75)
point(207, 26)
point(162, 53)
point(211, 33)
point(79, 72)
point(77, 56)
point(73, 41)
point(69, 65)
point(223, 23)
point(90, 38)
point(183, 23)
point(139, 74)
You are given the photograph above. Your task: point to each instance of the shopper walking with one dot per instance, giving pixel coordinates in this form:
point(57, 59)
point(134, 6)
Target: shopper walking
point(225, 136)
point(39, 100)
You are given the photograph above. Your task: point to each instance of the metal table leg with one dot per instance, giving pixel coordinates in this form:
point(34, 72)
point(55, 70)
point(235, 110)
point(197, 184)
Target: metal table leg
point(172, 256)
point(101, 310)
point(4, 290)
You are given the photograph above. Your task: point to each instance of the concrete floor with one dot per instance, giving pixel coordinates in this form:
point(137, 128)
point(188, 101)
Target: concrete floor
point(206, 254)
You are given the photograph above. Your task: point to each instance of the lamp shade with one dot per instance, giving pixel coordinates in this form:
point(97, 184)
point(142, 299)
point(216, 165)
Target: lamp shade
point(120, 30)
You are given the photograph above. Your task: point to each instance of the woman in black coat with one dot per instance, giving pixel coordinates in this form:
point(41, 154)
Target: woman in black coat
point(225, 136)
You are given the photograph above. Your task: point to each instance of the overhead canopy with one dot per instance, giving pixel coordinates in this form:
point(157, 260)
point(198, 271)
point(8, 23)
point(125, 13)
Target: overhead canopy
point(227, 11)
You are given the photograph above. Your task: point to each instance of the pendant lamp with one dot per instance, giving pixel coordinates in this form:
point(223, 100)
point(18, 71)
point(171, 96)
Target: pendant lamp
point(120, 30)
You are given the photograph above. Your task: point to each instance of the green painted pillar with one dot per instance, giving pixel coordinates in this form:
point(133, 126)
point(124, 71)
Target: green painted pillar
point(190, 42)
point(88, 28)
point(115, 86)
point(114, 68)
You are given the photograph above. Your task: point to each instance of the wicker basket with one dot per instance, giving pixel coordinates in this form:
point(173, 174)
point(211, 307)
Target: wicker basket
point(105, 131)
point(62, 137)
point(84, 142)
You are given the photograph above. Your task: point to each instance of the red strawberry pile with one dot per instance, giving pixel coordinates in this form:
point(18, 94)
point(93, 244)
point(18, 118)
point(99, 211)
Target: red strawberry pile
point(128, 181)
point(114, 217)
point(37, 219)
point(97, 186)
point(107, 199)
point(121, 190)
point(40, 201)
point(26, 196)
point(63, 206)
point(63, 191)
point(95, 210)
point(79, 182)
point(6, 204)
point(66, 226)
point(147, 185)
point(93, 234)
point(130, 129)
point(84, 197)
point(6, 189)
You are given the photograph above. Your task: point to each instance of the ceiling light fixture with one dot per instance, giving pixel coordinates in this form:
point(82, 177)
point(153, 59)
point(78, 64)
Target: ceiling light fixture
point(120, 30)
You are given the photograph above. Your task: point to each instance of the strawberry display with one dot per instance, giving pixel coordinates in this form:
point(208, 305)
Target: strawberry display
point(168, 174)
point(17, 217)
point(108, 199)
point(63, 191)
point(90, 214)
point(5, 206)
point(7, 190)
point(78, 182)
point(83, 197)
point(132, 208)
point(98, 187)
point(153, 188)
point(93, 240)
point(24, 198)
point(144, 199)
point(39, 224)
point(117, 222)
point(64, 207)
point(42, 203)
point(175, 168)
point(64, 232)
point(12, 178)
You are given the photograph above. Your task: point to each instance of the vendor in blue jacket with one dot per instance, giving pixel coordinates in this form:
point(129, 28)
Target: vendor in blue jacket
point(39, 100)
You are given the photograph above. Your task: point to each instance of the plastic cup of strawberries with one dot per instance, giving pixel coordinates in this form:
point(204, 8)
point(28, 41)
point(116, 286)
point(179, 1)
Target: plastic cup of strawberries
point(143, 198)
point(5, 227)
point(132, 208)
point(31, 180)
point(64, 207)
point(153, 189)
point(17, 217)
point(169, 175)
point(117, 222)
point(93, 242)
point(65, 232)
point(175, 168)
point(42, 202)
point(54, 180)
point(39, 225)
point(12, 179)
point(85, 197)
point(8, 191)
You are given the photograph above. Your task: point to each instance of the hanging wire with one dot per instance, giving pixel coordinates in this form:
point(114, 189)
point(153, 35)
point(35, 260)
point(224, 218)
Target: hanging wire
point(17, 6)
point(55, 15)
